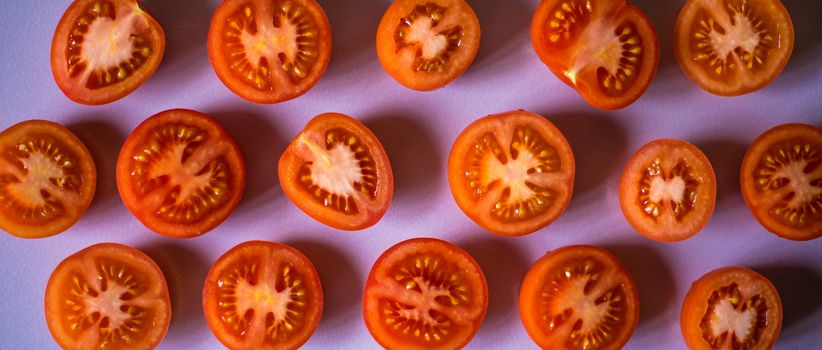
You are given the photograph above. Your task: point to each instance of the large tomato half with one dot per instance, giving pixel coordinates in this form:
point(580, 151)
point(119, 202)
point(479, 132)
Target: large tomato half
point(426, 44)
point(579, 298)
point(47, 179)
point(180, 173)
point(424, 293)
point(781, 179)
point(605, 49)
point(269, 51)
point(104, 49)
point(263, 295)
point(337, 172)
point(107, 296)
point(512, 173)
point(733, 47)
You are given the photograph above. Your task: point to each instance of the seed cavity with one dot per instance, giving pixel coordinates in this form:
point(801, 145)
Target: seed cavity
point(794, 169)
point(568, 14)
point(743, 41)
point(730, 317)
point(626, 56)
point(662, 189)
point(434, 45)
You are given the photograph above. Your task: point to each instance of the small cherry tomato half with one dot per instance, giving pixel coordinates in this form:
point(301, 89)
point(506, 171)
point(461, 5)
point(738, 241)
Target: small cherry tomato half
point(180, 173)
point(424, 293)
point(579, 297)
point(781, 180)
point(733, 47)
point(107, 296)
point(426, 44)
point(337, 172)
point(104, 49)
point(605, 49)
point(668, 190)
point(262, 295)
point(47, 179)
point(512, 173)
point(269, 51)
point(731, 308)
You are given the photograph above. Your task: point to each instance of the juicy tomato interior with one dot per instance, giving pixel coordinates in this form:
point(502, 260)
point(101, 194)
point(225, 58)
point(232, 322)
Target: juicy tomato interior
point(579, 297)
point(605, 49)
point(668, 190)
point(426, 44)
point(512, 173)
point(731, 308)
point(733, 47)
point(104, 49)
point(47, 179)
point(263, 295)
point(337, 172)
point(269, 51)
point(180, 174)
point(424, 293)
point(781, 179)
point(107, 296)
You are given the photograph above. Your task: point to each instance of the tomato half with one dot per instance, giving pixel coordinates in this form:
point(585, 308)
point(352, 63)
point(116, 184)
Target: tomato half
point(579, 297)
point(269, 51)
point(426, 44)
point(180, 173)
point(781, 180)
point(104, 49)
point(731, 308)
point(107, 296)
point(337, 172)
point(733, 47)
point(262, 295)
point(605, 49)
point(668, 190)
point(47, 179)
point(512, 173)
point(424, 293)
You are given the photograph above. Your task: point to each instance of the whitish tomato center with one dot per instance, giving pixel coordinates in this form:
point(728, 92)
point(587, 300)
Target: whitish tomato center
point(673, 187)
point(109, 41)
point(726, 318)
point(432, 43)
point(792, 172)
point(661, 189)
point(729, 318)
point(336, 170)
point(434, 37)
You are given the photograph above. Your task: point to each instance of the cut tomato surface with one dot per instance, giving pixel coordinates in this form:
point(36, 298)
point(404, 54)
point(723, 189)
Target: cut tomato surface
point(424, 293)
point(269, 51)
point(579, 298)
point(781, 180)
point(180, 173)
point(104, 49)
point(337, 172)
point(512, 173)
point(605, 49)
point(107, 296)
point(668, 190)
point(426, 44)
point(731, 308)
point(262, 295)
point(733, 47)
point(47, 179)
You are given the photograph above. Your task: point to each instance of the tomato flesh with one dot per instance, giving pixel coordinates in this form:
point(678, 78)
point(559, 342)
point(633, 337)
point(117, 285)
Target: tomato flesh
point(107, 296)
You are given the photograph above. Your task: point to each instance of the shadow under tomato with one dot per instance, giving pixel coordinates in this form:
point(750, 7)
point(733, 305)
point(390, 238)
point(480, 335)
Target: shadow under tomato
point(800, 288)
point(354, 32)
point(505, 26)
point(726, 159)
point(807, 26)
point(662, 15)
point(653, 277)
point(103, 140)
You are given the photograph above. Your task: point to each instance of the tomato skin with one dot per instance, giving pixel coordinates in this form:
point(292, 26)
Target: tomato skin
point(145, 211)
point(296, 154)
point(25, 132)
point(564, 259)
point(75, 90)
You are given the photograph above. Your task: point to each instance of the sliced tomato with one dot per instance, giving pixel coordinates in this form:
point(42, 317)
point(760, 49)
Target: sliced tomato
point(424, 293)
point(781, 180)
point(605, 49)
point(180, 173)
point(731, 308)
point(512, 173)
point(269, 51)
point(579, 297)
point(107, 296)
point(668, 190)
point(263, 295)
point(733, 47)
point(104, 49)
point(47, 179)
point(426, 44)
point(337, 172)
